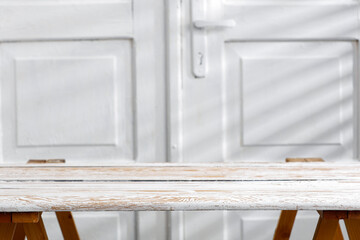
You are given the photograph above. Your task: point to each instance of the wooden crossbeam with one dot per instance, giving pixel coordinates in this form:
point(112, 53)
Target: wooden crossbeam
point(28, 217)
point(304, 160)
point(40, 161)
point(15, 225)
point(20, 217)
point(5, 217)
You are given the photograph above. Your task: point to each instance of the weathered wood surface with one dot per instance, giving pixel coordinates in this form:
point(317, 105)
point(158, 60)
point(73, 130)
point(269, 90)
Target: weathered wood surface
point(288, 186)
point(184, 172)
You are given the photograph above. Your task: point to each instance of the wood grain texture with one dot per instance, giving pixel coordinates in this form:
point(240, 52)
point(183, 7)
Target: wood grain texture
point(304, 160)
point(338, 233)
point(285, 186)
point(35, 231)
point(27, 217)
point(354, 215)
point(19, 232)
point(285, 224)
point(326, 228)
point(187, 172)
point(335, 215)
point(353, 228)
point(5, 217)
point(67, 225)
point(7, 231)
point(42, 161)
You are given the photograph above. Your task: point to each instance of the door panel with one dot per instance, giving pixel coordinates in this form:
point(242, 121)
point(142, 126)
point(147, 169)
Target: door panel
point(288, 99)
point(88, 226)
point(210, 228)
point(67, 98)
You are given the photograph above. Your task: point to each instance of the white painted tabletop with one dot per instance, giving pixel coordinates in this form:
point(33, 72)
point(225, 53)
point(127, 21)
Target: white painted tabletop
point(243, 186)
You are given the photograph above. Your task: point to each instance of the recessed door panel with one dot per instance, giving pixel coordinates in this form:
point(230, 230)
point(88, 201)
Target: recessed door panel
point(60, 95)
point(289, 99)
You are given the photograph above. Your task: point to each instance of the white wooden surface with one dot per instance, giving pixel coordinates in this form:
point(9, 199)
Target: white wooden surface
point(181, 187)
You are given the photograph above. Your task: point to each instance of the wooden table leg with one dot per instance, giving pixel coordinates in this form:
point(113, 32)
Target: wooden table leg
point(7, 231)
point(328, 226)
point(337, 215)
point(67, 225)
point(19, 232)
point(326, 229)
point(285, 225)
point(352, 224)
point(35, 231)
point(338, 233)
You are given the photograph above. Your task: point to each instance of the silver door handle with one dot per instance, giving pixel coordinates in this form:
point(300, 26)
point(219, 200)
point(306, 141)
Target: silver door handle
point(203, 24)
point(199, 29)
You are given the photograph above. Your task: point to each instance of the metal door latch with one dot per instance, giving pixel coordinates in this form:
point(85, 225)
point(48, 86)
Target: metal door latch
point(199, 28)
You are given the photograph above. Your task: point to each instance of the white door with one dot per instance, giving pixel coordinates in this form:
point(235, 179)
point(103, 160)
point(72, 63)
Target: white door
point(264, 80)
point(78, 81)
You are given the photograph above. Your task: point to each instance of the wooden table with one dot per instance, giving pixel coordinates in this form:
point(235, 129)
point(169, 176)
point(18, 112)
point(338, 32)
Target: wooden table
point(242, 186)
